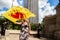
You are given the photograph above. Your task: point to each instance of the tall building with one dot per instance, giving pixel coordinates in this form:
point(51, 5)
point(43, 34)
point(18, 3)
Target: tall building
point(32, 5)
point(58, 16)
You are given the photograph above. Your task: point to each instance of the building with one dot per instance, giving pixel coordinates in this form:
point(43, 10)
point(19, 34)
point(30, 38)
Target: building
point(52, 24)
point(32, 5)
point(58, 17)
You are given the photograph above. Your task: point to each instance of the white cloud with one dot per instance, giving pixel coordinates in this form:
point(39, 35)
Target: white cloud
point(5, 3)
point(42, 3)
point(15, 3)
point(48, 10)
point(8, 3)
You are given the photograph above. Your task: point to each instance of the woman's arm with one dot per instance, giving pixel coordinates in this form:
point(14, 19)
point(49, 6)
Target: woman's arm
point(19, 23)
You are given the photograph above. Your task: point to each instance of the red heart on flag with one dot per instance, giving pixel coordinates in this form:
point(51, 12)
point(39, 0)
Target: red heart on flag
point(17, 15)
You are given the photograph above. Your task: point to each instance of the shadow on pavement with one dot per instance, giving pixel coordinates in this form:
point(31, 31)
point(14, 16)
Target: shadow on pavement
point(42, 37)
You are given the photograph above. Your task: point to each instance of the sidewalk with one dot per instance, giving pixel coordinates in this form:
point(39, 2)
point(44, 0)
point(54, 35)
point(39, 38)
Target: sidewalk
point(14, 35)
point(18, 32)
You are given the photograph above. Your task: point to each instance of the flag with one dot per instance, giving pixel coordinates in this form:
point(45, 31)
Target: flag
point(16, 13)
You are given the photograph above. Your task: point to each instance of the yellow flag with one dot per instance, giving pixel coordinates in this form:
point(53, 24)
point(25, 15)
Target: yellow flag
point(17, 13)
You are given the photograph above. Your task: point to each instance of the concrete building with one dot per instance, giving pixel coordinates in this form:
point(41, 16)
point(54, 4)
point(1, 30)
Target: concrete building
point(58, 17)
point(52, 25)
point(32, 5)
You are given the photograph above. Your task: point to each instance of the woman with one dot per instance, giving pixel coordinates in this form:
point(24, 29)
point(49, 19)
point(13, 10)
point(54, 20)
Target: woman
point(24, 35)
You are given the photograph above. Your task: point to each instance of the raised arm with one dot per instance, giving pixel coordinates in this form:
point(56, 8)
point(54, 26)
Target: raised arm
point(19, 23)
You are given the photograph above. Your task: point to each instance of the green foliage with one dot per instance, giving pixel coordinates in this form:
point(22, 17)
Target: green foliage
point(42, 24)
point(34, 26)
point(10, 25)
point(2, 20)
point(17, 27)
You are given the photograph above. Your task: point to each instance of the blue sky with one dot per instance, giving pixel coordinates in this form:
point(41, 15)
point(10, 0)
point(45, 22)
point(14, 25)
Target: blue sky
point(5, 5)
point(46, 7)
point(52, 3)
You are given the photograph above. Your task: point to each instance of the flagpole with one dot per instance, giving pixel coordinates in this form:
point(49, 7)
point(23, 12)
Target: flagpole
point(11, 7)
point(12, 3)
